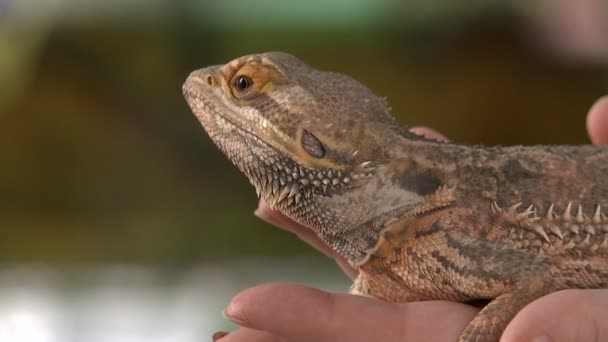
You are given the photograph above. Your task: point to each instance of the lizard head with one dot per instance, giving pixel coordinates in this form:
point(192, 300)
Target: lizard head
point(311, 142)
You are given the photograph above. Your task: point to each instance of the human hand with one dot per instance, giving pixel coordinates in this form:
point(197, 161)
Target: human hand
point(284, 312)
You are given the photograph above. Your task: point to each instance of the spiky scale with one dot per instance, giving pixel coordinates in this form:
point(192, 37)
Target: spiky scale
point(604, 243)
point(294, 189)
point(549, 216)
point(566, 216)
point(275, 187)
point(540, 230)
point(284, 193)
point(530, 208)
point(589, 229)
point(580, 217)
point(556, 231)
point(513, 208)
point(526, 213)
point(574, 228)
point(597, 216)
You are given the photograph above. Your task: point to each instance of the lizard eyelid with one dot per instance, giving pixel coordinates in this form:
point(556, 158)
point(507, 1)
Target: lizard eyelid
point(312, 145)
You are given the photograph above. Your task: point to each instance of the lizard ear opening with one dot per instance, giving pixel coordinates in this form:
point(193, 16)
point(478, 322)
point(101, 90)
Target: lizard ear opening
point(312, 145)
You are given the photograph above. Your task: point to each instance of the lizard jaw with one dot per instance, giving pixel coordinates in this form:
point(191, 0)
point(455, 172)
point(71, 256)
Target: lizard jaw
point(279, 180)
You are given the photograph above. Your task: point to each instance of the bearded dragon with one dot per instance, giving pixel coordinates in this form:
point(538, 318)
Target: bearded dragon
point(420, 219)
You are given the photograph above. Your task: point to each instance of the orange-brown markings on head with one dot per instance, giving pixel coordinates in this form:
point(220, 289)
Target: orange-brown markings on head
point(264, 76)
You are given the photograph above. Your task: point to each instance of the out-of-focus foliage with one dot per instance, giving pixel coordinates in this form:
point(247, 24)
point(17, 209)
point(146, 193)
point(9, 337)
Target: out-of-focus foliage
point(101, 160)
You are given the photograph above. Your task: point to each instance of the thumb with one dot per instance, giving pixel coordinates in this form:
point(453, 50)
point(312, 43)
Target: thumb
point(597, 122)
point(570, 315)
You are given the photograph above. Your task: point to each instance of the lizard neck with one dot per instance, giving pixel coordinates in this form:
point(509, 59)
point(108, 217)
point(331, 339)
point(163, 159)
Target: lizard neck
point(472, 171)
point(424, 165)
point(412, 174)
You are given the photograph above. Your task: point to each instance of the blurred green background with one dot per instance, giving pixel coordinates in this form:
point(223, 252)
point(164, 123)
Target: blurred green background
point(102, 162)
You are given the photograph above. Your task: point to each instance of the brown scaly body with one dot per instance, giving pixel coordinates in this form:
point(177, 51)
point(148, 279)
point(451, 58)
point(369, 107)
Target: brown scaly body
point(421, 220)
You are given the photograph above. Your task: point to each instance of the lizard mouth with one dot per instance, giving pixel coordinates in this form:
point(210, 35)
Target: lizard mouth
point(219, 126)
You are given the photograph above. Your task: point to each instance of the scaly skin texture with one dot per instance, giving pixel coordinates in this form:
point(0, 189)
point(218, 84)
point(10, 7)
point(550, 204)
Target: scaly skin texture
point(422, 220)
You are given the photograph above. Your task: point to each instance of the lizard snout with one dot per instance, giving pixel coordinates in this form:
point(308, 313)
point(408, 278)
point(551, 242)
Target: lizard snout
point(198, 79)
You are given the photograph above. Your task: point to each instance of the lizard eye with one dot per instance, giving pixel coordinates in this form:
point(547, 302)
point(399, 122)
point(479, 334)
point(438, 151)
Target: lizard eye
point(312, 145)
point(243, 83)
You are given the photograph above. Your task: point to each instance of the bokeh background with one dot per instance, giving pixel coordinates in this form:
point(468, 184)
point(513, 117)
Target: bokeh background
point(119, 219)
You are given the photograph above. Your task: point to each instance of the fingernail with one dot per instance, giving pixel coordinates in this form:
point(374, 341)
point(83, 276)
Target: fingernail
point(543, 338)
point(218, 334)
point(260, 214)
point(268, 219)
point(232, 315)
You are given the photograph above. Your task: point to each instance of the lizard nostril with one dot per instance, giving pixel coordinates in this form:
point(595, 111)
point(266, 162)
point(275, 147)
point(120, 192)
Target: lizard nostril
point(209, 79)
